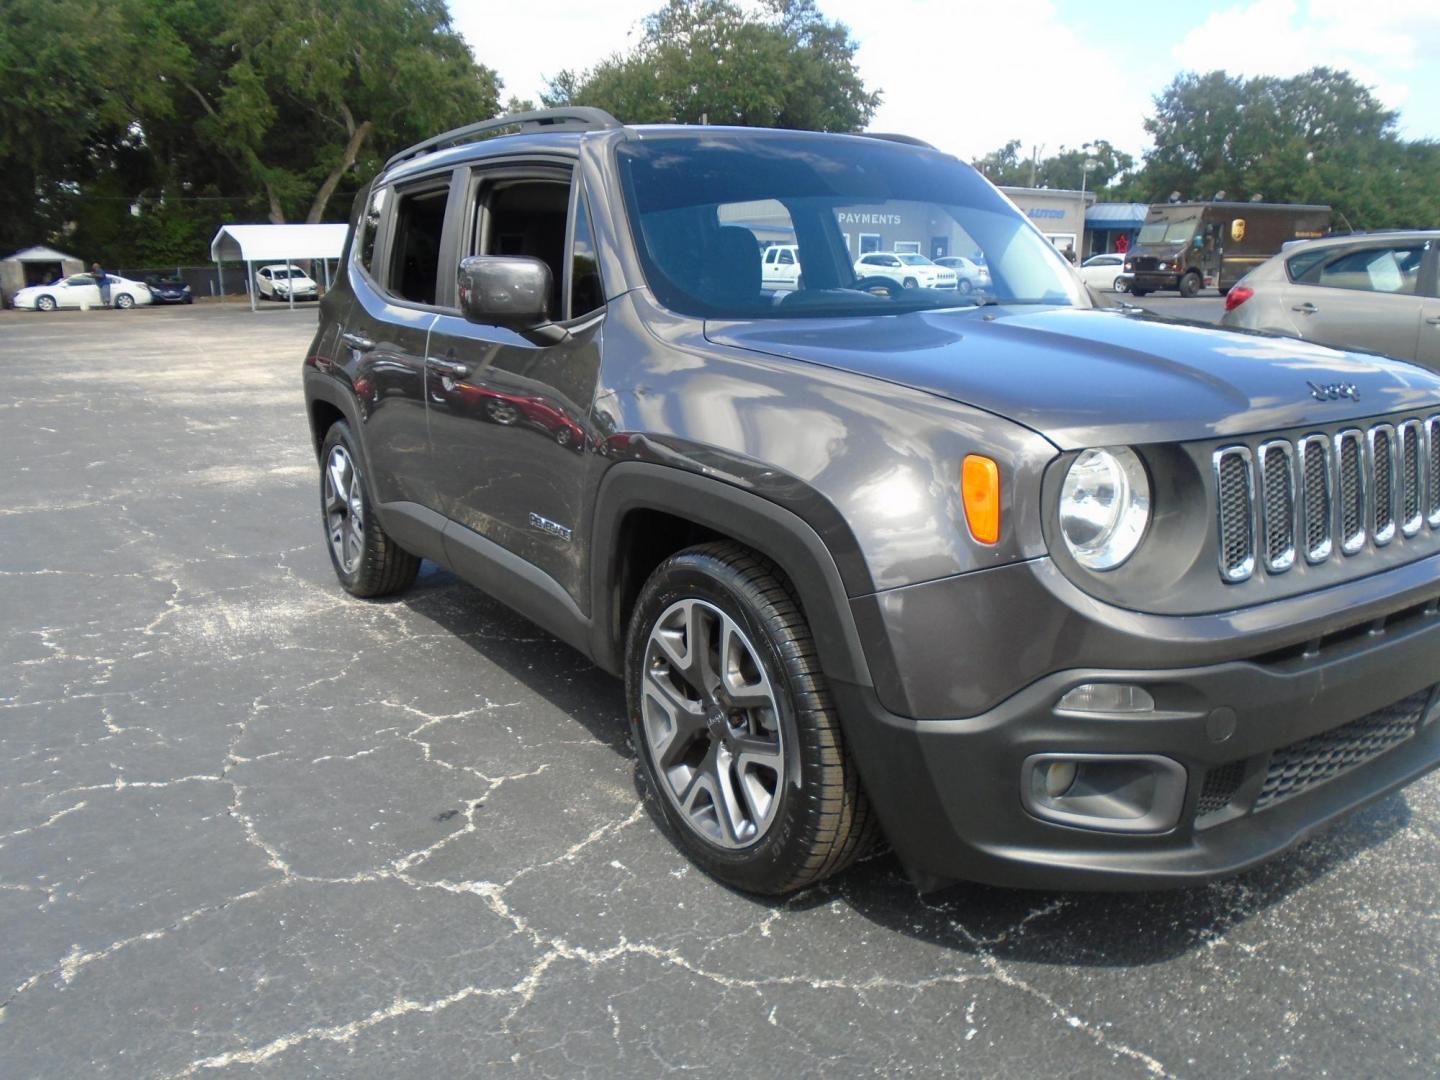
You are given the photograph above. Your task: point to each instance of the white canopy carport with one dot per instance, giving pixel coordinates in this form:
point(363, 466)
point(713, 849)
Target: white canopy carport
point(252, 244)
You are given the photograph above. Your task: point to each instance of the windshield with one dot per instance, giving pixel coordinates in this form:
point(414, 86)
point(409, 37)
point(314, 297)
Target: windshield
point(1168, 232)
point(704, 207)
point(283, 273)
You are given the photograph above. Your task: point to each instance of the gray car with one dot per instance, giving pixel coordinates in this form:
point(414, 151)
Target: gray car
point(1375, 291)
point(1043, 594)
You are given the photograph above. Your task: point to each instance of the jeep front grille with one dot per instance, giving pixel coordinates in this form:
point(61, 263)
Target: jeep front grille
point(1324, 492)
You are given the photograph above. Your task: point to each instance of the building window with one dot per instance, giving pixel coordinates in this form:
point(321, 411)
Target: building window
point(907, 247)
point(869, 242)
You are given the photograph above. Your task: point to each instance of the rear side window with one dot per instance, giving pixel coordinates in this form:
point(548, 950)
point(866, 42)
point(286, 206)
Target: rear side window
point(414, 270)
point(369, 228)
point(1384, 269)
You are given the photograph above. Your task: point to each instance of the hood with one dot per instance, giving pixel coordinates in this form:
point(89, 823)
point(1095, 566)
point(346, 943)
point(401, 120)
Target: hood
point(1095, 377)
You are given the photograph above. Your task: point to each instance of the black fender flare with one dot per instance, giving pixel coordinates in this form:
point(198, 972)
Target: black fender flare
point(769, 528)
point(332, 391)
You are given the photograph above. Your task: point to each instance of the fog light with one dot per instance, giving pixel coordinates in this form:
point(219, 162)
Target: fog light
point(1134, 793)
point(1107, 698)
point(1059, 775)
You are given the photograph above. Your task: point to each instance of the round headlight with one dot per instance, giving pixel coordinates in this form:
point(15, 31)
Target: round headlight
point(1104, 507)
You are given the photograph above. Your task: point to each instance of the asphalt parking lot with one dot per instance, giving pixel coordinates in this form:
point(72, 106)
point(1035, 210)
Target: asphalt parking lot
point(251, 826)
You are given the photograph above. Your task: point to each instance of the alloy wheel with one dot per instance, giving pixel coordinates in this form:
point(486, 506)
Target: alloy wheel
point(712, 724)
point(344, 510)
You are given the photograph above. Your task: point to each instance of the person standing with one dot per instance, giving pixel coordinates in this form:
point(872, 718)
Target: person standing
point(1122, 244)
point(102, 279)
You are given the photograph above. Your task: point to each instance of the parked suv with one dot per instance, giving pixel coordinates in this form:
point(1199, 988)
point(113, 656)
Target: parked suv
point(1045, 594)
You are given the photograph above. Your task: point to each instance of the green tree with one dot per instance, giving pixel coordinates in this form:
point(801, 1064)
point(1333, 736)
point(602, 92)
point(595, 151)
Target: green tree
point(295, 94)
point(1005, 166)
point(131, 128)
point(712, 60)
point(76, 74)
point(1063, 170)
point(1317, 137)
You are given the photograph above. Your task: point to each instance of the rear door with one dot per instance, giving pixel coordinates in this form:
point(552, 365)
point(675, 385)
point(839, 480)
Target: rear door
point(1428, 350)
point(395, 278)
point(1363, 296)
point(509, 416)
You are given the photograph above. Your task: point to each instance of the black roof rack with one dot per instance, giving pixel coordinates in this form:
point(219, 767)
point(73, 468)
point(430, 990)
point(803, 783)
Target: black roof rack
point(908, 140)
point(578, 118)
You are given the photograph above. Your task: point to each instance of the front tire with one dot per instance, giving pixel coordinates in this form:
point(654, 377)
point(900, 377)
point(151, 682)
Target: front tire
point(45, 303)
point(366, 560)
point(734, 727)
point(1190, 286)
point(124, 301)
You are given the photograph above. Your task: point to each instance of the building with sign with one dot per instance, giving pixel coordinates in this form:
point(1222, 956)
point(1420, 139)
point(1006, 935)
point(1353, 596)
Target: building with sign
point(1057, 213)
point(919, 227)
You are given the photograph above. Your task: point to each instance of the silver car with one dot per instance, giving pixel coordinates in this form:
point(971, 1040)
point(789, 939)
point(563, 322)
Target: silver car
point(1375, 291)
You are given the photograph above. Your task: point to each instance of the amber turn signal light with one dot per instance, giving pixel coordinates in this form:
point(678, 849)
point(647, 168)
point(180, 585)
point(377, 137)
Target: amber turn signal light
point(980, 487)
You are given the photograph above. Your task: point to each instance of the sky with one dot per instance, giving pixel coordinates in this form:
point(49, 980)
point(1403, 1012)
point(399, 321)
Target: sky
point(969, 75)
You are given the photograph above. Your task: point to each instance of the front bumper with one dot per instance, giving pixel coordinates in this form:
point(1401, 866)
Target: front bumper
point(1154, 279)
point(1240, 732)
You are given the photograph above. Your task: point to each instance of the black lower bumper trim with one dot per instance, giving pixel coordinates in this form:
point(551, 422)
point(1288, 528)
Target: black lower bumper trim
point(948, 791)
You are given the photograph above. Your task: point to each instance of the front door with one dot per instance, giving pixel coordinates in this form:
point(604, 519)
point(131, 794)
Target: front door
point(78, 290)
point(510, 434)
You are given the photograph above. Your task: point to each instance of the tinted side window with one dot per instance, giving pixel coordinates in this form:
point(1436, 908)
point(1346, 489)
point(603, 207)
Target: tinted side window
point(586, 290)
point(369, 228)
point(1300, 265)
point(1372, 269)
point(415, 245)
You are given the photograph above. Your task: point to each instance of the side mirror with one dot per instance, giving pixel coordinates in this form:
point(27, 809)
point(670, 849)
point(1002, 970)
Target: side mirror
point(505, 290)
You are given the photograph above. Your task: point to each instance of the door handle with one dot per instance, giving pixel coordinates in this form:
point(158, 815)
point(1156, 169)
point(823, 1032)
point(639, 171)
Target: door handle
point(1434, 320)
point(357, 341)
point(1306, 308)
point(449, 367)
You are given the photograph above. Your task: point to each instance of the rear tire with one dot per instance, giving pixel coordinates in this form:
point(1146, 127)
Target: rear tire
point(366, 560)
point(733, 724)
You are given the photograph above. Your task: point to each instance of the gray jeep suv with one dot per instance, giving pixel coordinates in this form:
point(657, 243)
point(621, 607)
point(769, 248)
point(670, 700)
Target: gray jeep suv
point(1042, 594)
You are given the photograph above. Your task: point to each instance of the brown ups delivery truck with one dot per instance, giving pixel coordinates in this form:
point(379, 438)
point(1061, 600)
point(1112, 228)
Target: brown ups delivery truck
point(1193, 245)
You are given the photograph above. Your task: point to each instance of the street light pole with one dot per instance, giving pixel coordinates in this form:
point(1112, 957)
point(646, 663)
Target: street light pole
point(1086, 165)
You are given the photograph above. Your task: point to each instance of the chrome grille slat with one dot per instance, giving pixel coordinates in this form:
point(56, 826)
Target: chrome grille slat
point(1316, 504)
point(1235, 490)
point(1432, 459)
point(1277, 494)
point(1380, 444)
point(1350, 490)
point(1411, 466)
point(1325, 490)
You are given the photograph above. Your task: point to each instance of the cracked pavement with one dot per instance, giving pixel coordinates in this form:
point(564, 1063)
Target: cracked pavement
point(251, 826)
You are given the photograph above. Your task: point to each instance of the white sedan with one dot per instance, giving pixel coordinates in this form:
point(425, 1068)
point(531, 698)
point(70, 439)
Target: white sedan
point(80, 291)
point(906, 269)
point(1100, 271)
point(276, 282)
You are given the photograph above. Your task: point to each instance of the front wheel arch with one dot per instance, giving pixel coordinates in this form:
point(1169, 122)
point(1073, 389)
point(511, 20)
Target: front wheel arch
point(723, 511)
